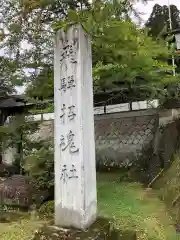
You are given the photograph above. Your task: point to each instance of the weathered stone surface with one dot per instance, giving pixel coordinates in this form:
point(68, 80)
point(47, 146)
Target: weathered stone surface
point(75, 166)
point(19, 191)
point(16, 190)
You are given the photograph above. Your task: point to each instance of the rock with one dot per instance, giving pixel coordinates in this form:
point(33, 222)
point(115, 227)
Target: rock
point(7, 170)
point(19, 190)
point(16, 190)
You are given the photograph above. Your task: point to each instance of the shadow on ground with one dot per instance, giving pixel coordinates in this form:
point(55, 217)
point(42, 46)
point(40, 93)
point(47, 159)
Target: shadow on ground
point(102, 229)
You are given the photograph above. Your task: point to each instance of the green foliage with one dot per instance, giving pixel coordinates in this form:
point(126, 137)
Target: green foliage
point(129, 54)
point(33, 21)
point(47, 209)
point(19, 131)
point(168, 185)
point(39, 164)
point(48, 109)
point(158, 21)
point(6, 83)
point(17, 134)
point(122, 52)
point(159, 28)
point(124, 56)
point(42, 85)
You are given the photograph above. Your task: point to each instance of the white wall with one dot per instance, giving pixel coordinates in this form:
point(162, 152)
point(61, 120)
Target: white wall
point(109, 109)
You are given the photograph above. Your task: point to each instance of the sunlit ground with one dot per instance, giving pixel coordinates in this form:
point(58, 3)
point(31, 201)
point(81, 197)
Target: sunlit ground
point(129, 204)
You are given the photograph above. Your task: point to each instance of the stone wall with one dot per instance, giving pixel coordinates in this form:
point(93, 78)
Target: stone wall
point(120, 137)
point(131, 138)
point(168, 143)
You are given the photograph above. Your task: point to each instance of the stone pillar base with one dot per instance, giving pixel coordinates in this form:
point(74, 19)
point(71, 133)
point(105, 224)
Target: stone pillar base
point(101, 230)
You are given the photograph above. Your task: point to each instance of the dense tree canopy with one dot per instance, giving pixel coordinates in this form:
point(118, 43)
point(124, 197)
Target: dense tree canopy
point(158, 21)
point(158, 26)
point(123, 55)
point(26, 37)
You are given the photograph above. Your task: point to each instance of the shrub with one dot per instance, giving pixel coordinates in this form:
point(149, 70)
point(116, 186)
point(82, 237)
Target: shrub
point(39, 164)
point(47, 209)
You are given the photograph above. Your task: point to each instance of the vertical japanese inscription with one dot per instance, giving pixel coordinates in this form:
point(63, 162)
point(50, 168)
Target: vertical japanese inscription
point(68, 173)
point(67, 83)
point(68, 143)
point(69, 51)
point(68, 112)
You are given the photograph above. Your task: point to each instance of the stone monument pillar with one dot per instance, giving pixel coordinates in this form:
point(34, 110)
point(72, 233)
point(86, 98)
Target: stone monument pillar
point(75, 169)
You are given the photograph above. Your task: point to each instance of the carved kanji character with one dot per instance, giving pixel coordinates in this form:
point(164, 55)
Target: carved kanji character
point(70, 143)
point(73, 173)
point(63, 84)
point(64, 174)
point(72, 147)
point(71, 114)
point(72, 53)
point(62, 116)
point(62, 143)
point(71, 82)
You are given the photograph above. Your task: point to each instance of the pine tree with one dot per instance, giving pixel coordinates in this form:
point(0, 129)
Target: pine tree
point(159, 19)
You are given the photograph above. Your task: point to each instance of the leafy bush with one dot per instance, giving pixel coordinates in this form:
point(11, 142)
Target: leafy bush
point(39, 164)
point(47, 209)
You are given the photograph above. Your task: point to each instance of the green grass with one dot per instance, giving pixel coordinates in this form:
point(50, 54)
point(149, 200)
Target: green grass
point(20, 227)
point(128, 203)
point(135, 208)
point(19, 230)
point(168, 187)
